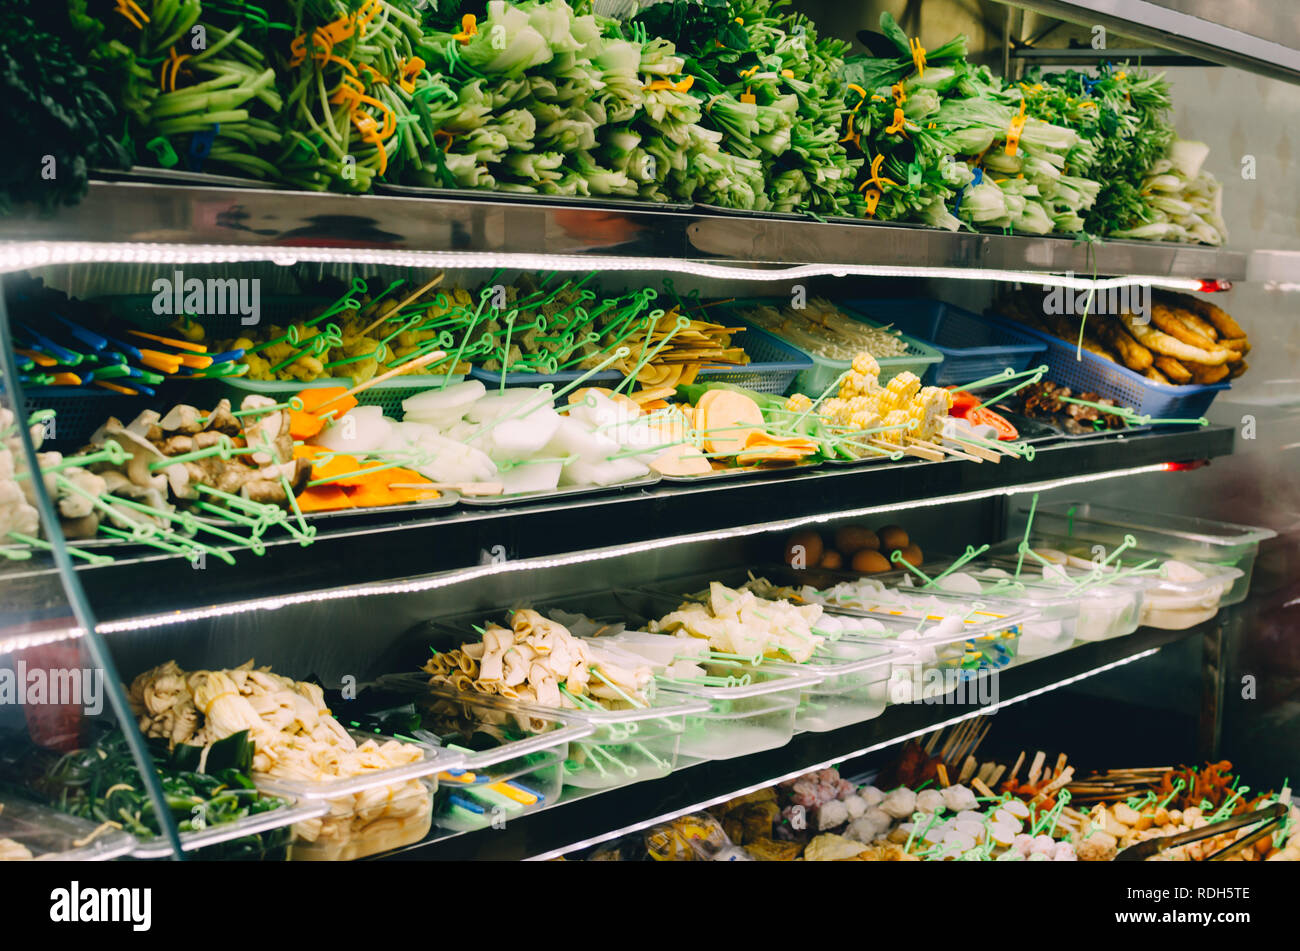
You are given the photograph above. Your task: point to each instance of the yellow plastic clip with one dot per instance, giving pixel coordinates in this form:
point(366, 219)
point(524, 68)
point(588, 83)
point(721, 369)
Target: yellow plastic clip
point(876, 178)
point(1013, 132)
point(513, 792)
point(900, 97)
point(131, 10)
point(748, 97)
point(861, 92)
point(872, 195)
point(918, 55)
point(468, 28)
point(897, 124)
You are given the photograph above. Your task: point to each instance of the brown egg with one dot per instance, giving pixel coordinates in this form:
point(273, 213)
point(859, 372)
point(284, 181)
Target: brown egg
point(912, 555)
point(832, 561)
point(803, 549)
point(852, 539)
point(892, 537)
point(870, 562)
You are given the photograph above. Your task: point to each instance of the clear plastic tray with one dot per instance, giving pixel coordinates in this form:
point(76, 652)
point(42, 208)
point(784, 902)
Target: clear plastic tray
point(289, 814)
point(760, 715)
point(49, 834)
point(496, 785)
point(851, 673)
point(1103, 611)
point(372, 812)
point(625, 746)
point(1170, 605)
point(1177, 536)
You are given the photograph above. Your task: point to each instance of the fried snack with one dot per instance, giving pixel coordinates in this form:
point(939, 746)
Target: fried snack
point(1238, 369)
point(1171, 322)
point(1169, 346)
point(1222, 321)
point(1152, 373)
point(770, 850)
point(1175, 371)
point(1131, 353)
point(1236, 345)
point(1202, 374)
point(1199, 323)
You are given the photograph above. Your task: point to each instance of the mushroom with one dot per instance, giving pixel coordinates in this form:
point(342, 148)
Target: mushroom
point(182, 418)
point(175, 445)
point(143, 423)
point(84, 527)
point(178, 480)
point(222, 420)
point(74, 504)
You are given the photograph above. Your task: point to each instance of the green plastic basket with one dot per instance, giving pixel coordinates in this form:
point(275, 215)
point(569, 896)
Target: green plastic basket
point(918, 358)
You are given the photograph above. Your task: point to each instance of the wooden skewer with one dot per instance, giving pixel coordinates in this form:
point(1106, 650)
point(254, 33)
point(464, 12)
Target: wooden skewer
point(409, 365)
point(983, 733)
point(909, 450)
point(943, 776)
point(968, 767)
point(996, 775)
point(1036, 768)
point(388, 313)
point(947, 450)
point(980, 787)
point(1055, 784)
point(464, 488)
point(1015, 770)
point(986, 770)
point(982, 451)
point(932, 740)
point(1060, 764)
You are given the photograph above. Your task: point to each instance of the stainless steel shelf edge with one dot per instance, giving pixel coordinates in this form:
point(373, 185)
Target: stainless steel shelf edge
point(1197, 27)
point(270, 225)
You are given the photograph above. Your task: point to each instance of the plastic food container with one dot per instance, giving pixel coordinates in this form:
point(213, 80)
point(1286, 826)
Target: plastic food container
point(1162, 603)
point(972, 348)
point(369, 813)
point(1103, 611)
point(521, 774)
point(1087, 372)
point(49, 834)
point(759, 715)
point(261, 837)
point(853, 685)
point(851, 674)
point(1184, 537)
point(918, 358)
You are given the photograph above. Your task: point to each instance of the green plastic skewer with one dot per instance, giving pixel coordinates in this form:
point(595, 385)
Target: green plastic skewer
point(1038, 375)
point(112, 453)
point(1024, 542)
point(970, 554)
point(93, 558)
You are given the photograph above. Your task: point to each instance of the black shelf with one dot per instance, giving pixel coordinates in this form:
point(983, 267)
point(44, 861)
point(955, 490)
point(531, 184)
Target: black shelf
point(142, 583)
point(606, 814)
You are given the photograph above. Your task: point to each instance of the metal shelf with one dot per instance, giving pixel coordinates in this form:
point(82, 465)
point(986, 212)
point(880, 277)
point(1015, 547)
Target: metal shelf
point(629, 808)
point(385, 548)
point(270, 225)
point(1254, 35)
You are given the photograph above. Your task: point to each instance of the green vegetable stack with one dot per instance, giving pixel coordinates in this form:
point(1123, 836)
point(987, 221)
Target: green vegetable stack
point(58, 120)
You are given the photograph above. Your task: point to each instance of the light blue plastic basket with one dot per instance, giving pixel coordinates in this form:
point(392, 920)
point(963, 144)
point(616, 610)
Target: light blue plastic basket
point(1090, 373)
point(972, 348)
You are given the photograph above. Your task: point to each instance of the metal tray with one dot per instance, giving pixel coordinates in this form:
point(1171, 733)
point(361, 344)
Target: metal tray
point(750, 213)
point(178, 176)
point(569, 492)
point(524, 198)
point(748, 472)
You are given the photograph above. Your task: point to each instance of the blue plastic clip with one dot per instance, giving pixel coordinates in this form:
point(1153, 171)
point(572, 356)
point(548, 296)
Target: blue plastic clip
point(201, 146)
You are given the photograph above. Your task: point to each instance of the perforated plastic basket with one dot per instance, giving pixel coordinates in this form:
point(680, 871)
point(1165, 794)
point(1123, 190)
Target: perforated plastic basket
point(79, 411)
point(388, 394)
point(773, 366)
point(813, 379)
point(1094, 374)
point(972, 348)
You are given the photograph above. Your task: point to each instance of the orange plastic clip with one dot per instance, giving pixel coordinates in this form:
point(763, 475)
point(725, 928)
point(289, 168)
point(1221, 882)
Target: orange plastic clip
point(897, 124)
point(872, 196)
point(468, 28)
point(131, 10)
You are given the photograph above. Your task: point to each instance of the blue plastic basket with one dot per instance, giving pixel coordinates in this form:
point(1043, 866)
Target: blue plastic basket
point(773, 365)
point(1094, 374)
point(80, 410)
point(972, 348)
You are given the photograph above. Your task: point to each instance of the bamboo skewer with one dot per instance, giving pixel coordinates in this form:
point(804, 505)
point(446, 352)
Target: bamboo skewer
point(946, 450)
point(910, 450)
point(389, 313)
point(981, 451)
point(409, 365)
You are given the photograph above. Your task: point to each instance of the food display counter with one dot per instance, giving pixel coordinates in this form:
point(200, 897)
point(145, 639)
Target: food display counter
point(617, 445)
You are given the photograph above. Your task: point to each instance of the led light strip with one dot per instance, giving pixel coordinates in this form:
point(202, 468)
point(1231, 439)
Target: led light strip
point(893, 741)
point(462, 575)
point(17, 256)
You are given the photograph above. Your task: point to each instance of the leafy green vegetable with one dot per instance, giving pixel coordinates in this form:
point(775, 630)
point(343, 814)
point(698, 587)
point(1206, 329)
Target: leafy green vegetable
point(59, 122)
